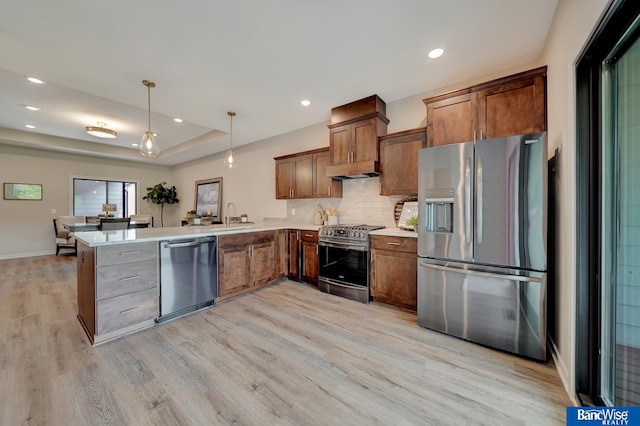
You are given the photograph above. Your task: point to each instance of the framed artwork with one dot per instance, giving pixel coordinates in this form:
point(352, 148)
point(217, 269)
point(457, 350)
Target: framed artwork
point(208, 198)
point(22, 191)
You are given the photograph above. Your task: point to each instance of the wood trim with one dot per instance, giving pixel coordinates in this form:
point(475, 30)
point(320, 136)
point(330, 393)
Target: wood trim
point(410, 132)
point(377, 115)
point(362, 167)
point(358, 109)
point(311, 151)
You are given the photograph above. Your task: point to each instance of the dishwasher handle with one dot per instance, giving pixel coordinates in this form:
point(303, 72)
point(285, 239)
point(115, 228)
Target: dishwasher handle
point(189, 243)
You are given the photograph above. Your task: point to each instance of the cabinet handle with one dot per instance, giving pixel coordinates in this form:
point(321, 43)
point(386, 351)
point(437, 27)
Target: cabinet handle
point(309, 235)
point(481, 137)
point(317, 250)
point(474, 135)
point(125, 253)
point(329, 190)
point(392, 243)
point(135, 277)
point(126, 311)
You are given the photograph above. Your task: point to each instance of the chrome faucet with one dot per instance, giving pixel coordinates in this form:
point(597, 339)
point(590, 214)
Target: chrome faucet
point(234, 213)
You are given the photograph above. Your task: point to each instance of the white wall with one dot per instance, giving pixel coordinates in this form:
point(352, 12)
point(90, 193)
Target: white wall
point(571, 28)
point(26, 227)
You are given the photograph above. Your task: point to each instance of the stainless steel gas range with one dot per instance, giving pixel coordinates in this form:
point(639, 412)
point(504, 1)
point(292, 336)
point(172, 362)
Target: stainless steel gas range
point(344, 258)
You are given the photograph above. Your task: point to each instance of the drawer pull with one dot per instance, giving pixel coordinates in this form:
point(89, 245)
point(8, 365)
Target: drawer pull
point(135, 277)
point(126, 311)
point(391, 243)
point(124, 253)
point(309, 235)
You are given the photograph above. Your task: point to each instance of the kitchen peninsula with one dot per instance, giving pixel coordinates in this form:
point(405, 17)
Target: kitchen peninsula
point(118, 286)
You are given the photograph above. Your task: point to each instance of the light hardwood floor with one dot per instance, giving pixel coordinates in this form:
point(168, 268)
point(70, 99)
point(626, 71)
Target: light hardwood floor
point(286, 355)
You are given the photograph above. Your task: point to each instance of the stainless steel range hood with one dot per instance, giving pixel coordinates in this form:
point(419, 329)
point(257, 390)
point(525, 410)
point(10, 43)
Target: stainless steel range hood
point(362, 169)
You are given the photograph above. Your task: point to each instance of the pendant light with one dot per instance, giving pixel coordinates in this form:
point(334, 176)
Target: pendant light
point(148, 145)
point(228, 161)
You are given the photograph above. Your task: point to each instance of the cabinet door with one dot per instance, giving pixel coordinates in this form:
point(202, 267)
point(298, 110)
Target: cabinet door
point(233, 272)
point(284, 179)
point(340, 144)
point(324, 187)
point(294, 246)
point(302, 176)
point(364, 141)
point(261, 265)
point(310, 261)
point(452, 120)
point(399, 164)
point(281, 253)
point(513, 108)
point(394, 278)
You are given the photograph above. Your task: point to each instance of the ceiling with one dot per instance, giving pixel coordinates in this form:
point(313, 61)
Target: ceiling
point(257, 58)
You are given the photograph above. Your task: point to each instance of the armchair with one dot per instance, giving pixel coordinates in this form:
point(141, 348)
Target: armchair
point(64, 238)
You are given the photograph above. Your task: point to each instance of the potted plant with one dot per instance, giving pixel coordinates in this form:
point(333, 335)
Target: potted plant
point(196, 219)
point(244, 217)
point(160, 194)
point(413, 222)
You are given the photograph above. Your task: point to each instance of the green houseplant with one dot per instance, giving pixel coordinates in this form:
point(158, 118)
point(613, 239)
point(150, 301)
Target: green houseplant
point(160, 194)
point(413, 222)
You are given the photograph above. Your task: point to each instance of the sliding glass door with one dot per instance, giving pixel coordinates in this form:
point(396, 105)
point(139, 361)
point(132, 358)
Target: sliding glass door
point(608, 206)
point(621, 226)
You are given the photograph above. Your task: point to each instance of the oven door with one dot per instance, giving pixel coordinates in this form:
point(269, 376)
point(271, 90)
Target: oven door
point(343, 269)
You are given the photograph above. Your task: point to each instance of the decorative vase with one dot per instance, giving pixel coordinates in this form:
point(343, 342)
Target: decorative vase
point(244, 219)
point(196, 221)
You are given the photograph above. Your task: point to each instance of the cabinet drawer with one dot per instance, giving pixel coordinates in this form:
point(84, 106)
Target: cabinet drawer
point(129, 309)
point(309, 235)
point(122, 279)
point(126, 253)
point(407, 244)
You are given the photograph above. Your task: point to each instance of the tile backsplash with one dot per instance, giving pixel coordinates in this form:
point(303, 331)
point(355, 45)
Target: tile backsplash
point(361, 202)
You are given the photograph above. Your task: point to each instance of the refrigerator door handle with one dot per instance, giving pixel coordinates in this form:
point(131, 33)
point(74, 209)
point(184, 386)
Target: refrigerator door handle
point(479, 190)
point(481, 274)
point(467, 201)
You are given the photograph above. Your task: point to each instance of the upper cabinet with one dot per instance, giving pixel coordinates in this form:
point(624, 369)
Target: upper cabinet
point(508, 106)
point(303, 175)
point(353, 137)
point(399, 161)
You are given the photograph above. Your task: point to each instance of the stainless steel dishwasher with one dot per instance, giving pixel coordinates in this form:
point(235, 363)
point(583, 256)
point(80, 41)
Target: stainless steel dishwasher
point(188, 276)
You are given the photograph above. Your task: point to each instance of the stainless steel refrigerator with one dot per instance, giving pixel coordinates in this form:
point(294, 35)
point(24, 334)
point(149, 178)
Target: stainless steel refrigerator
point(482, 242)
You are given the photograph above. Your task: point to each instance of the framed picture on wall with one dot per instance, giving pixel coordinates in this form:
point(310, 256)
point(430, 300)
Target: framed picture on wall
point(208, 198)
point(22, 191)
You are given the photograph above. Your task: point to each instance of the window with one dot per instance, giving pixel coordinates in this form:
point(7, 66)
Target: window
point(89, 195)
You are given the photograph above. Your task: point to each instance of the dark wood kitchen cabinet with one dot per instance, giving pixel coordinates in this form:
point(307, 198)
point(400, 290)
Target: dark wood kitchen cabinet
point(303, 256)
point(282, 259)
point(304, 175)
point(394, 270)
point(353, 136)
point(294, 177)
point(309, 256)
point(504, 107)
point(399, 161)
point(245, 261)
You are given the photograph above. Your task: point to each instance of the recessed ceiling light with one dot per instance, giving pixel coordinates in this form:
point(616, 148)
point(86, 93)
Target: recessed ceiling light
point(32, 108)
point(35, 80)
point(305, 102)
point(29, 126)
point(178, 120)
point(436, 53)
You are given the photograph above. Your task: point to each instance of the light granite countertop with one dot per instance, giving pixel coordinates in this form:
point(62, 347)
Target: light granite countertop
point(128, 236)
point(395, 232)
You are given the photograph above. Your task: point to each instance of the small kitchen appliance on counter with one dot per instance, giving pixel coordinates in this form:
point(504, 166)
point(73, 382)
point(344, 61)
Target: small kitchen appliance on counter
point(343, 260)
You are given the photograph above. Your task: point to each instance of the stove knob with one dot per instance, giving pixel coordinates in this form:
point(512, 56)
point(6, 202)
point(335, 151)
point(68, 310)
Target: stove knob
point(352, 234)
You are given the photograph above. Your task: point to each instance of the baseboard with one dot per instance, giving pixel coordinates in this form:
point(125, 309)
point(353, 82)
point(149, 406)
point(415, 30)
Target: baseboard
point(562, 372)
point(32, 254)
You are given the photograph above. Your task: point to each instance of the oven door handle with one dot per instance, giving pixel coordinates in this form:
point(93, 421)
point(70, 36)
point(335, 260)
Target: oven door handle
point(342, 246)
point(339, 284)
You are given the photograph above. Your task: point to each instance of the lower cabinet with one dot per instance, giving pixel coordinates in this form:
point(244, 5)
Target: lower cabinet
point(394, 270)
point(245, 261)
point(303, 256)
point(281, 253)
point(117, 289)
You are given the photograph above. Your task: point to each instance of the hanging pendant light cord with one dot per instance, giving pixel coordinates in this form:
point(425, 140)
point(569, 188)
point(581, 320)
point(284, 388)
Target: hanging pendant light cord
point(149, 105)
